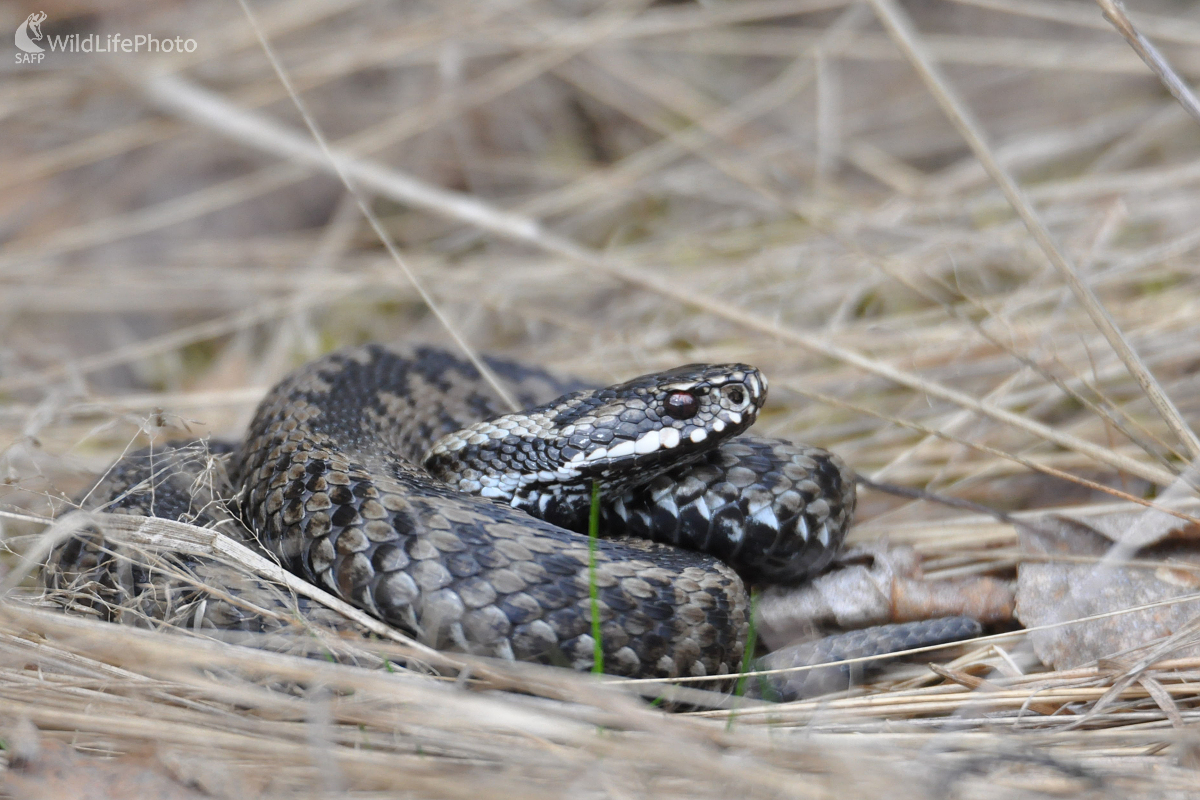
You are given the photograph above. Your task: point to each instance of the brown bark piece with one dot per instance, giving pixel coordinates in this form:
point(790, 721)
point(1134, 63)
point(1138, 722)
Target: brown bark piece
point(889, 590)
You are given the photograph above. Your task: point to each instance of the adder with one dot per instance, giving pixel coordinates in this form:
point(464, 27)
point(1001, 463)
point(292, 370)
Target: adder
point(391, 477)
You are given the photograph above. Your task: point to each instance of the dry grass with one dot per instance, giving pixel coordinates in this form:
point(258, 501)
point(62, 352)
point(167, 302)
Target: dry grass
point(607, 188)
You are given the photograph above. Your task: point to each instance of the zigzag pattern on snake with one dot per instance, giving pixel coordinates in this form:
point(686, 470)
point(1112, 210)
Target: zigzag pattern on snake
point(334, 480)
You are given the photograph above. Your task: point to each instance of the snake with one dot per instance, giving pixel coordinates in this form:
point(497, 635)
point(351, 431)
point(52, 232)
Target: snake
point(394, 477)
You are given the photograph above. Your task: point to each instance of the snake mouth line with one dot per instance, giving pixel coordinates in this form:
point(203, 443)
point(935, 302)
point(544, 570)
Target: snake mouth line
point(619, 437)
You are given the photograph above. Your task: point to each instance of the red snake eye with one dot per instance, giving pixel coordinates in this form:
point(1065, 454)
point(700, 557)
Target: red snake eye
point(682, 405)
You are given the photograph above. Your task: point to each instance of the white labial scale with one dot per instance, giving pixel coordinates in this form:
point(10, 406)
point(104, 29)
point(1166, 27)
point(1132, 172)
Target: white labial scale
point(621, 450)
point(698, 435)
point(669, 437)
point(647, 443)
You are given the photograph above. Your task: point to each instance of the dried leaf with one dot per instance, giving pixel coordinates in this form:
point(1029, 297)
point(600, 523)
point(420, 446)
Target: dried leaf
point(1090, 579)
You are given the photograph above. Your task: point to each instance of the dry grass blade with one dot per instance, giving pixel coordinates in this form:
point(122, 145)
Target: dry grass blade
point(363, 205)
point(1031, 463)
point(177, 95)
point(914, 382)
point(371, 712)
point(902, 30)
point(169, 535)
point(1115, 12)
point(175, 340)
point(607, 188)
point(1169, 28)
point(204, 107)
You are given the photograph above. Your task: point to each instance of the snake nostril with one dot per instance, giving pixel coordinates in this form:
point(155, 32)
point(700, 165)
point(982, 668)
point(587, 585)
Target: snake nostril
point(736, 395)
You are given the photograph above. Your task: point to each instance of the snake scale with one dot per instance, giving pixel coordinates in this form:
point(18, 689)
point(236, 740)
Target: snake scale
point(392, 477)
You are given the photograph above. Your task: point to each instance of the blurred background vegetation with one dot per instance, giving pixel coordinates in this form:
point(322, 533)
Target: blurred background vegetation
point(606, 188)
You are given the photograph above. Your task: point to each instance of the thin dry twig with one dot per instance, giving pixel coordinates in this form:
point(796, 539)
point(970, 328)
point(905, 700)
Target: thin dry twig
point(900, 26)
point(1114, 12)
point(659, 178)
point(208, 108)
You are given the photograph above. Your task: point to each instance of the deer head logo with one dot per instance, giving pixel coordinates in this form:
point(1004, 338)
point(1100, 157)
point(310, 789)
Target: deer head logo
point(29, 32)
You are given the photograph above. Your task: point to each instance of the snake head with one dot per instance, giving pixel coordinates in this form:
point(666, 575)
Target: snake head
point(686, 410)
point(547, 459)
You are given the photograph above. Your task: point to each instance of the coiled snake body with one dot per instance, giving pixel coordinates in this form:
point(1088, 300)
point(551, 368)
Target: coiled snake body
point(330, 481)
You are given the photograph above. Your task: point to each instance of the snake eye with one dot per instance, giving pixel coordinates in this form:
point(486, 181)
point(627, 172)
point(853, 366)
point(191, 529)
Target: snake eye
point(682, 405)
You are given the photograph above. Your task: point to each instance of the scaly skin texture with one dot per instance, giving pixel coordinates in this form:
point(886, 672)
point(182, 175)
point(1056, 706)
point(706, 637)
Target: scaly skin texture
point(776, 511)
point(546, 460)
point(324, 492)
point(328, 481)
point(185, 482)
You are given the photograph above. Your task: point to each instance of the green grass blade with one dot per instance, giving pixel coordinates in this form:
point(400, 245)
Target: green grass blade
point(747, 655)
point(593, 535)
